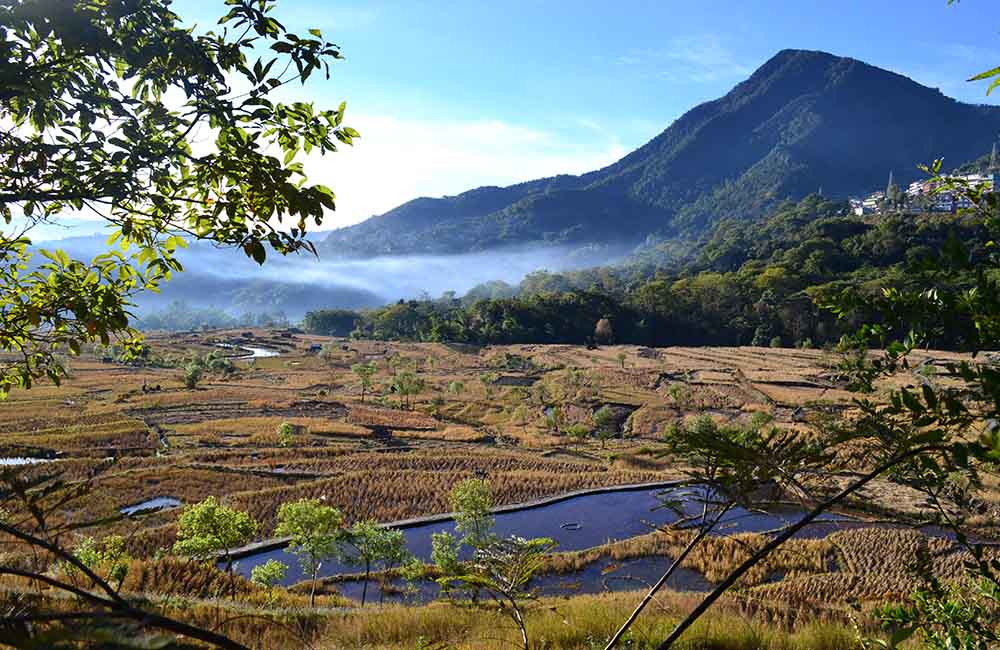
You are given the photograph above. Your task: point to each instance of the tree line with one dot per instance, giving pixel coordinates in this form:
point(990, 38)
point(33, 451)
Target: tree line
point(762, 282)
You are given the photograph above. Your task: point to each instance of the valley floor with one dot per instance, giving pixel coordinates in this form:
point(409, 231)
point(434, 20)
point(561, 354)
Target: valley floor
point(521, 416)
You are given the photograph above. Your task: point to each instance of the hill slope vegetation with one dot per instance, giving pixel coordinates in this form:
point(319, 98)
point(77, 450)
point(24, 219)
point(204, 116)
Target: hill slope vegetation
point(804, 121)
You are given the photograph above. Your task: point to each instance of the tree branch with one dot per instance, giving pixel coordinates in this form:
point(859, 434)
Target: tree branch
point(766, 550)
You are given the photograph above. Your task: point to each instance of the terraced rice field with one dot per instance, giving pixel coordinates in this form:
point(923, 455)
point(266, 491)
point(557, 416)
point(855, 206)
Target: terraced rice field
point(135, 433)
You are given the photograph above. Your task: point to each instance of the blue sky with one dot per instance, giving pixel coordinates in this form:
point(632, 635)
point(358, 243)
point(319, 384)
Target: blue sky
point(452, 95)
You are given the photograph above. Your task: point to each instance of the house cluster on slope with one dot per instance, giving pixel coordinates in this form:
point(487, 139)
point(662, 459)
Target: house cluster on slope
point(950, 193)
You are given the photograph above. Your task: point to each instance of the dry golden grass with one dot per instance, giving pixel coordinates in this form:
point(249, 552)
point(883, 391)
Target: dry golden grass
point(714, 557)
point(222, 440)
point(586, 622)
point(390, 418)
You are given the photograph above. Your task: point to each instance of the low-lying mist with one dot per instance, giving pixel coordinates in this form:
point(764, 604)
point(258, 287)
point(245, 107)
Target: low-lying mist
point(227, 280)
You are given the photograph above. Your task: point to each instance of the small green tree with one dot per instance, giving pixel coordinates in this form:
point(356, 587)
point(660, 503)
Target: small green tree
point(503, 569)
point(578, 432)
point(269, 574)
point(364, 539)
point(554, 420)
point(520, 417)
point(472, 501)
point(286, 434)
point(444, 553)
point(116, 558)
point(604, 421)
point(488, 379)
point(406, 384)
point(110, 556)
point(680, 393)
point(193, 374)
point(392, 553)
point(315, 531)
point(621, 356)
point(366, 373)
point(456, 387)
point(208, 528)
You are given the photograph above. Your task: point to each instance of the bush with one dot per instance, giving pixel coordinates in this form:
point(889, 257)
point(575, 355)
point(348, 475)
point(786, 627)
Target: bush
point(192, 375)
point(285, 433)
point(680, 393)
point(578, 432)
point(776, 342)
point(269, 574)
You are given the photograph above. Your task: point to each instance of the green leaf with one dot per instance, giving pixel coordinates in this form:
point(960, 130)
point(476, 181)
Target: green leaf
point(258, 253)
point(979, 77)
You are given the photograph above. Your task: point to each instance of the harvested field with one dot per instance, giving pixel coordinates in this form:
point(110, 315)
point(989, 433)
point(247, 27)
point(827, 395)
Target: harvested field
point(131, 434)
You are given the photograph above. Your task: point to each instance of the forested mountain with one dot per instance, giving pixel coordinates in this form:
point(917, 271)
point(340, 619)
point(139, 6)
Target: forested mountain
point(804, 121)
point(760, 282)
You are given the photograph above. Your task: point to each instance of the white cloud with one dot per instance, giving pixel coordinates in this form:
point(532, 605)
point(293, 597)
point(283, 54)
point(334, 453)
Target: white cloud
point(398, 159)
point(703, 59)
point(700, 59)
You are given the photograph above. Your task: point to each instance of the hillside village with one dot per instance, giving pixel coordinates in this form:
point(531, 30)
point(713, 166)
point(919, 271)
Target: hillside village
point(953, 192)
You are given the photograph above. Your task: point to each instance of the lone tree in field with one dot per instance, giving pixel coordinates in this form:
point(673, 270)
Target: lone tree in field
point(89, 129)
point(111, 555)
point(472, 501)
point(503, 569)
point(392, 553)
point(364, 540)
point(407, 384)
point(368, 545)
point(315, 531)
point(604, 423)
point(207, 529)
point(269, 574)
point(366, 373)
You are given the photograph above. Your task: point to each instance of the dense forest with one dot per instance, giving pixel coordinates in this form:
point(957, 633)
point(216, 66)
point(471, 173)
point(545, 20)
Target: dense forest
point(746, 283)
point(182, 316)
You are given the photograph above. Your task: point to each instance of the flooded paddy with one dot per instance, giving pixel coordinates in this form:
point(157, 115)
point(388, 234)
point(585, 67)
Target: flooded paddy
point(151, 505)
point(576, 523)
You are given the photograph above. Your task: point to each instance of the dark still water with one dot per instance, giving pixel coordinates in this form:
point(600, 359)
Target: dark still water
point(576, 523)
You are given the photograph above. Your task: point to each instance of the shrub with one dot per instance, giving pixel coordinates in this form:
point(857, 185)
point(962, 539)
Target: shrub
point(578, 432)
point(192, 375)
point(207, 528)
point(269, 574)
point(286, 434)
point(680, 393)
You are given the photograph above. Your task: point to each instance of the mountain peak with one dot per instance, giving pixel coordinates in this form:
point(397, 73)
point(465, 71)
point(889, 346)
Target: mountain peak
point(805, 119)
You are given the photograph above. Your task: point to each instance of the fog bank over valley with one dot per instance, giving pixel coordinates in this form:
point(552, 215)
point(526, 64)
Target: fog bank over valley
point(227, 280)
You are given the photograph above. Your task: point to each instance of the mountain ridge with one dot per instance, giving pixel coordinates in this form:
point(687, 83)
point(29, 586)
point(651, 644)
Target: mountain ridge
point(804, 120)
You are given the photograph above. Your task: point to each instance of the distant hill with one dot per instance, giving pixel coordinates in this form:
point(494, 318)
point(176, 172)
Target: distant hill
point(804, 121)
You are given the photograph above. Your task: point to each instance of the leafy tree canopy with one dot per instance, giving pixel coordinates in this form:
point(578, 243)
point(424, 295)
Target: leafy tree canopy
point(116, 109)
point(209, 527)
